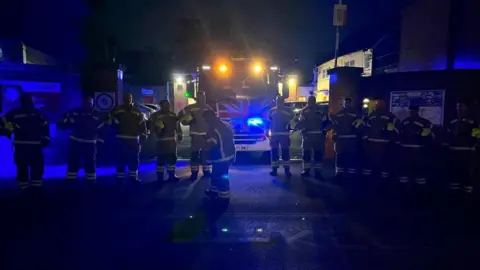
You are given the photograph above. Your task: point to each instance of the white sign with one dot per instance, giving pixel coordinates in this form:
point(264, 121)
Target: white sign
point(104, 101)
point(339, 15)
point(430, 102)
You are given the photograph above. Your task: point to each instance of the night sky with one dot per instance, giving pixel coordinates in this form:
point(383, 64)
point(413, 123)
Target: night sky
point(288, 28)
point(292, 28)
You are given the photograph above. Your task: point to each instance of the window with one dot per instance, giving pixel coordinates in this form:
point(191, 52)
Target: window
point(350, 63)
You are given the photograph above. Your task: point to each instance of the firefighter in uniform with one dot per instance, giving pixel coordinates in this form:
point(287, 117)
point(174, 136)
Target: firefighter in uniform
point(31, 133)
point(312, 123)
point(221, 154)
point(131, 131)
point(166, 125)
point(461, 141)
point(381, 127)
point(280, 118)
point(415, 136)
point(85, 126)
point(346, 125)
point(192, 115)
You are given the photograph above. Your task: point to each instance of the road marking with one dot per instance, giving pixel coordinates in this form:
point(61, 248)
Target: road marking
point(190, 189)
point(298, 235)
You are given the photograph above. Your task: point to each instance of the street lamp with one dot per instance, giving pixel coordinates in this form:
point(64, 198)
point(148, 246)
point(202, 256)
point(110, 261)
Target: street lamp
point(179, 79)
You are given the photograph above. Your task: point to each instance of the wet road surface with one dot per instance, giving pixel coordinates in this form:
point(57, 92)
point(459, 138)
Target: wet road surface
point(271, 223)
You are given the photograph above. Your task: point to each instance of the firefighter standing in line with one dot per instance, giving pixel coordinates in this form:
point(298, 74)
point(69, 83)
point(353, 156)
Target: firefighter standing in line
point(131, 132)
point(85, 126)
point(221, 153)
point(192, 115)
point(414, 138)
point(280, 118)
point(381, 128)
point(461, 143)
point(346, 125)
point(31, 133)
point(312, 122)
point(165, 124)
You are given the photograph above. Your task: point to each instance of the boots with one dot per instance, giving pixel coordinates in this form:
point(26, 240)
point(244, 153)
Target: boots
point(206, 174)
point(305, 173)
point(287, 172)
point(274, 172)
point(172, 177)
point(194, 176)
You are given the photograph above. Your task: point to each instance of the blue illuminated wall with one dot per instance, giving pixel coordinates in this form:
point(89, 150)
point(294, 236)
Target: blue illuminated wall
point(446, 38)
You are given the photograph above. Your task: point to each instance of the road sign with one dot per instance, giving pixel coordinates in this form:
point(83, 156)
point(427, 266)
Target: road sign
point(104, 101)
point(339, 15)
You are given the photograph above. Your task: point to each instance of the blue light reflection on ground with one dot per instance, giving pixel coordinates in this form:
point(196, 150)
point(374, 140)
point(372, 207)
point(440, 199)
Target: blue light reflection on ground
point(8, 171)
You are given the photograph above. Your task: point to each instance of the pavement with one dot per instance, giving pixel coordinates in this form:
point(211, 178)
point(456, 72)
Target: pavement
point(270, 223)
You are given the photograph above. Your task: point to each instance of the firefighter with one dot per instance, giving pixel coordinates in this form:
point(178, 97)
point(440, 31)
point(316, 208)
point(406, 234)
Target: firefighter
point(312, 123)
point(31, 133)
point(192, 115)
point(280, 118)
point(166, 126)
point(221, 154)
point(346, 125)
point(85, 126)
point(131, 131)
point(414, 138)
point(381, 127)
point(461, 141)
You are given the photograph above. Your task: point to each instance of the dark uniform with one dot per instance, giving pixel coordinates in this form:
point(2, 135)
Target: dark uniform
point(280, 119)
point(415, 135)
point(346, 125)
point(462, 153)
point(131, 131)
point(85, 125)
point(381, 128)
point(192, 115)
point(312, 123)
point(221, 154)
point(31, 134)
point(166, 127)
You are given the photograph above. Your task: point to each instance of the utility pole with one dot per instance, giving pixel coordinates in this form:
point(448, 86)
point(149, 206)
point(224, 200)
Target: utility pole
point(339, 20)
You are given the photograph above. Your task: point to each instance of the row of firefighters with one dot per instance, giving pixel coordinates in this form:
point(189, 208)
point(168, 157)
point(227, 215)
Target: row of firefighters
point(364, 145)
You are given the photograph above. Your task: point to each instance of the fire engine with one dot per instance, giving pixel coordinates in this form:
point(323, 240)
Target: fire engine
point(242, 91)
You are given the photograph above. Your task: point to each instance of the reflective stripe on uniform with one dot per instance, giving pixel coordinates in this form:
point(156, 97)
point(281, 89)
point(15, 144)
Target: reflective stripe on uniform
point(91, 176)
point(410, 145)
point(384, 174)
point(377, 140)
point(346, 136)
point(462, 148)
point(37, 183)
point(71, 175)
point(127, 137)
point(366, 172)
point(280, 133)
point(23, 185)
point(82, 140)
point(403, 179)
point(198, 133)
point(120, 175)
point(166, 139)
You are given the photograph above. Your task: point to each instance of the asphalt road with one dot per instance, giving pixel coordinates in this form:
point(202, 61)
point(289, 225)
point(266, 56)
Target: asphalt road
point(271, 223)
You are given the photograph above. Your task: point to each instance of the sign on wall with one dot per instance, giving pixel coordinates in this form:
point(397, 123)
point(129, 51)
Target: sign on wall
point(46, 95)
point(431, 103)
point(104, 101)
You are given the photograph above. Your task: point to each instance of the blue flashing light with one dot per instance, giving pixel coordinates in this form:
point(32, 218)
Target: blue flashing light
point(12, 94)
point(255, 122)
